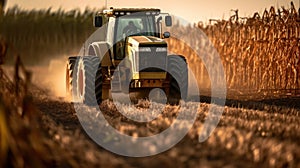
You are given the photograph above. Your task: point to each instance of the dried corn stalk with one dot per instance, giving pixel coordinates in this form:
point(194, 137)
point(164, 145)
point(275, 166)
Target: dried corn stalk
point(260, 53)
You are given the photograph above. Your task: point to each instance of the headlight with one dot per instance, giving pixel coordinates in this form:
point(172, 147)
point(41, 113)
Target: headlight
point(145, 49)
point(161, 49)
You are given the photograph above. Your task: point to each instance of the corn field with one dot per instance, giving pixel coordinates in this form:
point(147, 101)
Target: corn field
point(40, 35)
point(259, 53)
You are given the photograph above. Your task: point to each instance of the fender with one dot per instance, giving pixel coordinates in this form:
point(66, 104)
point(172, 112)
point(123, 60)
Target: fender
point(96, 48)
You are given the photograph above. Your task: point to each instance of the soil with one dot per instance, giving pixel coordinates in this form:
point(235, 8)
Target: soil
point(249, 134)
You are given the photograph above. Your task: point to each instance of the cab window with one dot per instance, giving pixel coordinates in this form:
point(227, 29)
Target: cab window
point(130, 26)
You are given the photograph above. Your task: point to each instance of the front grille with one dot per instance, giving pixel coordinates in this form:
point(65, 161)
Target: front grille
point(152, 61)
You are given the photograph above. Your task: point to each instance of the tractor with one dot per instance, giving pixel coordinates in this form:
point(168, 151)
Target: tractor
point(129, 56)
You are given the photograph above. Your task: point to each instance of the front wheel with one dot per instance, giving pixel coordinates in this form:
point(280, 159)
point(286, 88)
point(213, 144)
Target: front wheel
point(90, 80)
point(178, 76)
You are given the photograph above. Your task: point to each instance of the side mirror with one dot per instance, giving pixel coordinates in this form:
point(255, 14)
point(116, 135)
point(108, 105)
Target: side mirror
point(168, 21)
point(98, 21)
point(166, 35)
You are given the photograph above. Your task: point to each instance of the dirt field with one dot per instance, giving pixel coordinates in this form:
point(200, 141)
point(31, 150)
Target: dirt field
point(257, 134)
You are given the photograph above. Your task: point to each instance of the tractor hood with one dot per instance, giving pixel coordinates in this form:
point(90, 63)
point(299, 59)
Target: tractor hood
point(146, 41)
point(147, 52)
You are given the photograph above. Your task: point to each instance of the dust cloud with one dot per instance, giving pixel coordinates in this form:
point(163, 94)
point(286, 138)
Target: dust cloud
point(52, 77)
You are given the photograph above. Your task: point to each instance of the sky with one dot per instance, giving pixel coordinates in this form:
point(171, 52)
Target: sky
point(190, 10)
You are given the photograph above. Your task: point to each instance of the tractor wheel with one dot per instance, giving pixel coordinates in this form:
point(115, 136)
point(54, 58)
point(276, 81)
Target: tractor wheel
point(90, 80)
point(178, 75)
point(71, 77)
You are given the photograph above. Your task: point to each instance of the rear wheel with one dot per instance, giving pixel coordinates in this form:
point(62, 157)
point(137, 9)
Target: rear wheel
point(178, 75)
point(71, 77)
point(90, 80)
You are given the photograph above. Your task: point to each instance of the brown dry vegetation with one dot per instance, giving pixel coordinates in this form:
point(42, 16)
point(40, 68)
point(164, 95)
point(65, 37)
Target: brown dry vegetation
point(260, 54)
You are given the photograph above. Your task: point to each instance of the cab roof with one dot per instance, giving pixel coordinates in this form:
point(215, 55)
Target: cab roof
point(128, 11)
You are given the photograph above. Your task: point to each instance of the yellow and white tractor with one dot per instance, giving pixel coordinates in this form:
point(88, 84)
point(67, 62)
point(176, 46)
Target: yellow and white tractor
point(129, 56)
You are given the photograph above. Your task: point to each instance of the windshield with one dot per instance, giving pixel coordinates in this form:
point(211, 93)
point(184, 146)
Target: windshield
point(135, 25)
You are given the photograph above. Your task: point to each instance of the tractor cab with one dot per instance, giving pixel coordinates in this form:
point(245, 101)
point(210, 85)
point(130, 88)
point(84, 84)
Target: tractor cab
point(130, 22)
